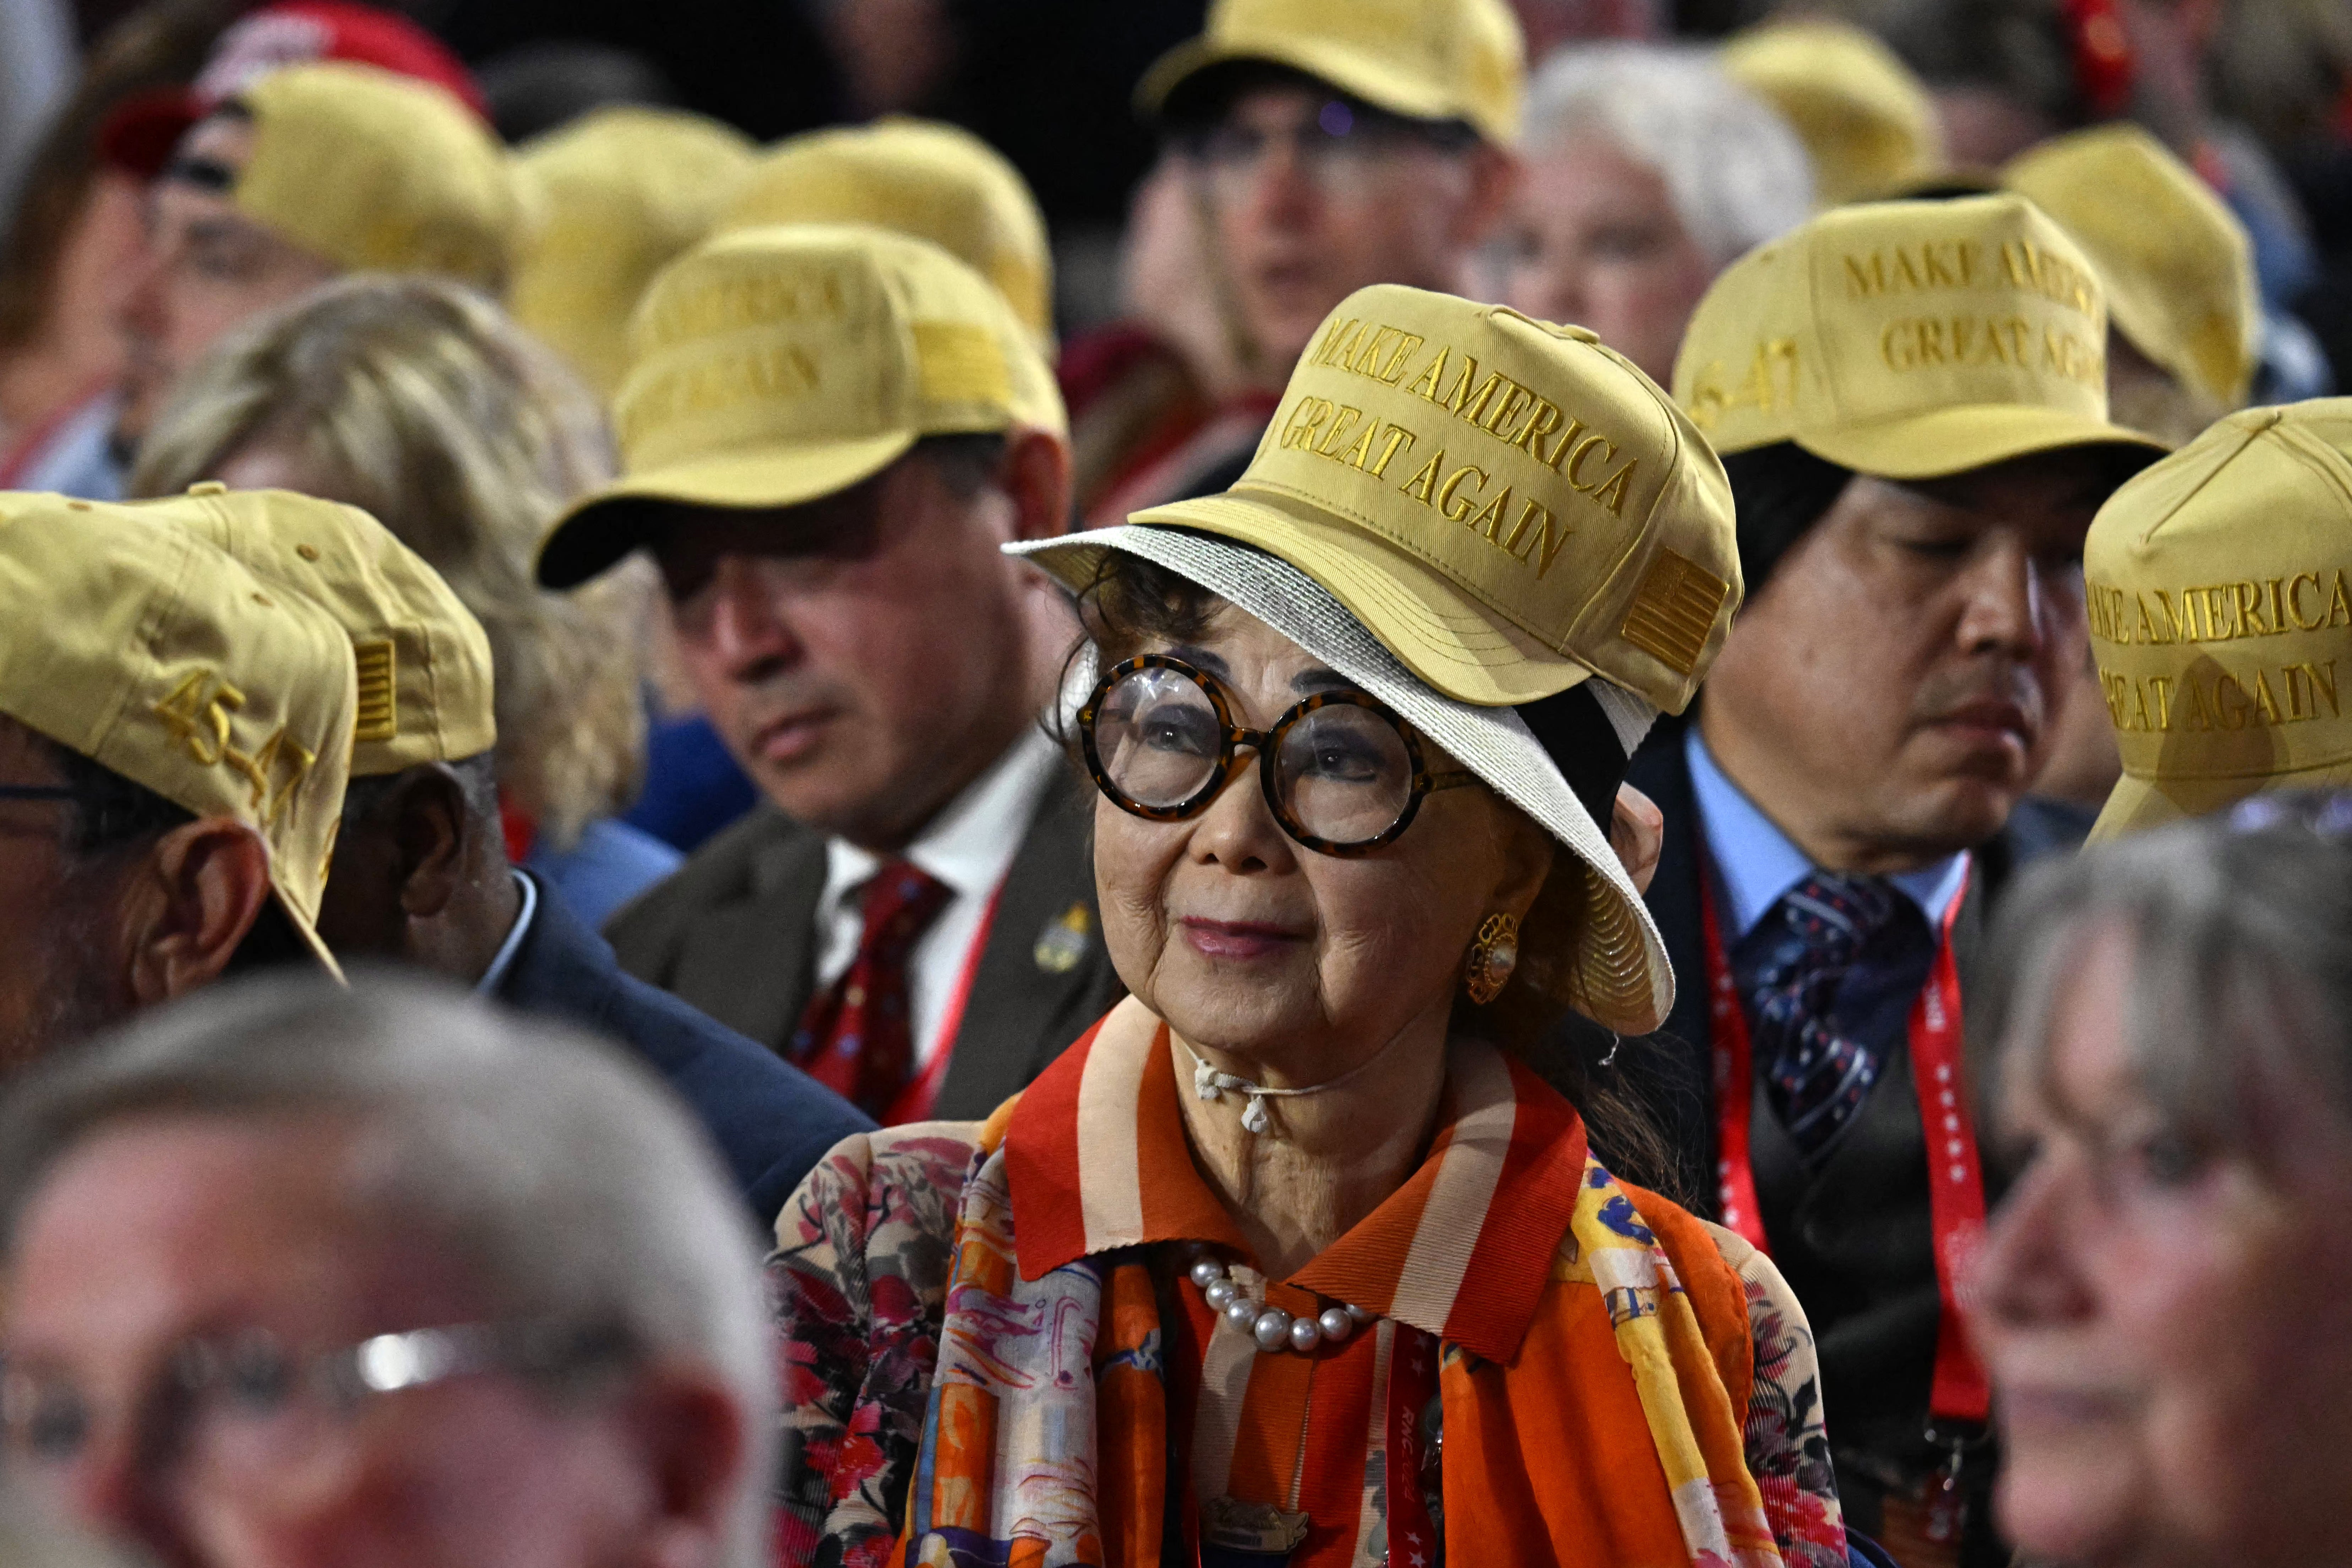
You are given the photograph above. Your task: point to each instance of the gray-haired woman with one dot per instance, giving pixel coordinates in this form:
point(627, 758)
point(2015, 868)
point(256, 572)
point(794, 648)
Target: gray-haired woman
point(2165, 1299)
point(1291, 1258)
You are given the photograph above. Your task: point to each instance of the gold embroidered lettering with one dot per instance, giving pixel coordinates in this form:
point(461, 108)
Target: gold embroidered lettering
point(1341, 426)
point(1611, 493)
point(1424, 483)
point(1397, 434)
point(1454, 506)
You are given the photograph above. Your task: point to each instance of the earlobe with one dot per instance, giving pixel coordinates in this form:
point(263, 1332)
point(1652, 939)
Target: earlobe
point(203, 888)
point(1637, 831)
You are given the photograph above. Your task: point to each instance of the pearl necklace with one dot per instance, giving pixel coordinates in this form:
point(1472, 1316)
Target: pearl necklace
point(1273, 1329)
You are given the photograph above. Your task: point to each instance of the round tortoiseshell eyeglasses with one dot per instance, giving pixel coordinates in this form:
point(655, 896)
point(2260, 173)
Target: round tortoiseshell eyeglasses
point(1341, 773)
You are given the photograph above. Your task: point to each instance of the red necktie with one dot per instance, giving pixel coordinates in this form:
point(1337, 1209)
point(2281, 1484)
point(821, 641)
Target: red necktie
point(858, 1037)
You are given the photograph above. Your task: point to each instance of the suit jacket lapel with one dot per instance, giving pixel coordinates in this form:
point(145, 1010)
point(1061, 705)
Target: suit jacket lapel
point(1675, 1069)
point(1045, 974)
point(754, 960)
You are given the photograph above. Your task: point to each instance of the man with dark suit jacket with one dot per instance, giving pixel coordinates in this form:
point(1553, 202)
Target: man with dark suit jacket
point(827, 432)
point(419, 871)
point(1910, 402)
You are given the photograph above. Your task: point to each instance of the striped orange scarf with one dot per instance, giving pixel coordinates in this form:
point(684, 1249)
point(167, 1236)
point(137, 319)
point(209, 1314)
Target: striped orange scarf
point(1592, 1384)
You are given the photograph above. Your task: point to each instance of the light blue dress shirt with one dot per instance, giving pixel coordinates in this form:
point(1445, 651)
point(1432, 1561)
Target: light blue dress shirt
point(1755, 863)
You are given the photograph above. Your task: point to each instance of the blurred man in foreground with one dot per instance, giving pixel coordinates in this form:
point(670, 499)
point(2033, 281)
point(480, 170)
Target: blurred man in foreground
point(829, 432)
point(421, 874)
point(1911, 401)
point(173, 739)
point(453, 1292)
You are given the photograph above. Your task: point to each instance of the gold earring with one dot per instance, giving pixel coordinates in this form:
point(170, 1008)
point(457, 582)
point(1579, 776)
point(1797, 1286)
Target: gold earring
point(1492, 958)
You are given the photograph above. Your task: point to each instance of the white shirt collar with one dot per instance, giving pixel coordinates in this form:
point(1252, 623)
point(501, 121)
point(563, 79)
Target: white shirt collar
point(497, 972)
point(971, 843)
point(1755, 863)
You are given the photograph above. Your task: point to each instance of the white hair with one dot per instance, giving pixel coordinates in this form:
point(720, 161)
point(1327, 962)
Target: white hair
point(557, 1170)
point(1736, 171)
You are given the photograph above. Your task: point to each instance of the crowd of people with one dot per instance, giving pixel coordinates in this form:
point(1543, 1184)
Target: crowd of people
point(701, 868)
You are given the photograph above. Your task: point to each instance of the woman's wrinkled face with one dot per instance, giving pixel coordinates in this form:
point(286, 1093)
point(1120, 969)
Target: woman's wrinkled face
point(1248, 942)
point(2168, 1328)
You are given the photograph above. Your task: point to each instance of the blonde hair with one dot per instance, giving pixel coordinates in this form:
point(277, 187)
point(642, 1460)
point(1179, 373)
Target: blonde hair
point(423, 403)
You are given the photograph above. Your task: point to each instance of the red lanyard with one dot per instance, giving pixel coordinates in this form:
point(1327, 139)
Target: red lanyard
point(1955, 1206)
point(922, 1092)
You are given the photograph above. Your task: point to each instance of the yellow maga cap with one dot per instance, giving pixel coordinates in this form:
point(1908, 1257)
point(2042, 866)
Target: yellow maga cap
point(1508, 505)
point(2220, 592)
point(1907, 340)
point(774, 366)
point(610, 200)
point(1867, 121)
point(1429, 59)
point(378, 172)
point(2178, 268)
point(423, 660)
point(936, 182)
point(160, 658)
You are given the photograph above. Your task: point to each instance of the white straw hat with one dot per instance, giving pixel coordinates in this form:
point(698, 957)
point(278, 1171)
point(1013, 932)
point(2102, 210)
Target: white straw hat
point(1618, 973)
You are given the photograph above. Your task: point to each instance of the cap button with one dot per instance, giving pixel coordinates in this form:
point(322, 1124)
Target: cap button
point(2264, 419)
point(208, 487)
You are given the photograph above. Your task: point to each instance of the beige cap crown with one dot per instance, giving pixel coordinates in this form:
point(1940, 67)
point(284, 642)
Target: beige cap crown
point(423, 660)
point(1868, 123)
point(1509, 506)
point(1426, 60)
point(2177, 263)
point(378, 172)
point(2219, 594)
point(1908, 339)
point(155, 655)
point(774, 366)
point(936, 182)
point(610, 200)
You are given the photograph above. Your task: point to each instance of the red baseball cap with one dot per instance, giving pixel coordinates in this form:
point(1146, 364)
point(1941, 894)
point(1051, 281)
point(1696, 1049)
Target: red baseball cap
point(140, 134)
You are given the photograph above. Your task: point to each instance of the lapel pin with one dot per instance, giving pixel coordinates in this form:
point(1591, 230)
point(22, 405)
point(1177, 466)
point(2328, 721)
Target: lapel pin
point(1065, 940)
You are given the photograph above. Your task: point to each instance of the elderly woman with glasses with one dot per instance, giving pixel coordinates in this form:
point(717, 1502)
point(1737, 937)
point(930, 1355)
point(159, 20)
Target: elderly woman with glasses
point(2165, 1297)
point(1293, 1257)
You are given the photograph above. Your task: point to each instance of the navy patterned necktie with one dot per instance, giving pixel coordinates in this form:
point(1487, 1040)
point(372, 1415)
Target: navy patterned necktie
point(1790, 972)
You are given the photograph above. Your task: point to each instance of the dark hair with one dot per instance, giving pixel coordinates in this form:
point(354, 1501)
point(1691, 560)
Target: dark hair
point(967, 464)
point(477, 779)
point(1132, 601)
point(1780, 492)
point(1200, 100)
point(110, 813)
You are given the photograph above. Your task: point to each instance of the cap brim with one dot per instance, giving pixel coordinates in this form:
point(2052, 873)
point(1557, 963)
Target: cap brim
point(1444, 636)
point(1946, 441)
point(138, 135)
point(602, 530)
point(1622, 975)
point(2137, 805)
point(1339, 67)
point(309, 935)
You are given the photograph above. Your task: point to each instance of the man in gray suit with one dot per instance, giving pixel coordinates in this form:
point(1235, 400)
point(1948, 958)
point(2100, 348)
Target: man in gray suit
point(827, 433)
